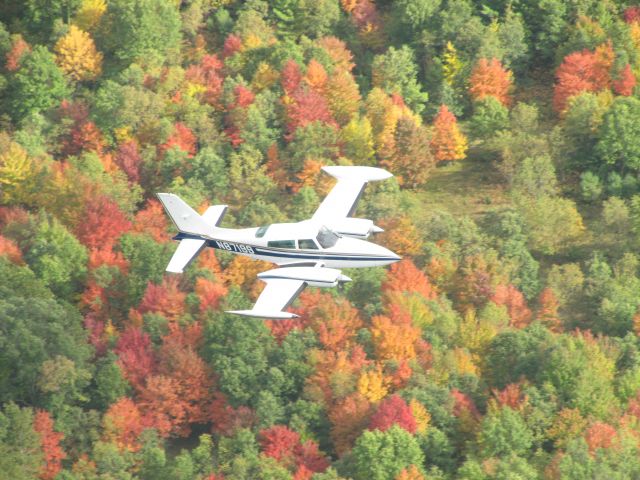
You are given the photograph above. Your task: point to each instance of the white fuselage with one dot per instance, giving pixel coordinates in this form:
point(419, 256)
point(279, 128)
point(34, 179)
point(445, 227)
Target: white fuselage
point(298, 243)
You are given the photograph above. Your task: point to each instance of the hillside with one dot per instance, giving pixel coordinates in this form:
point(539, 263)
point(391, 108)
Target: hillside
point(505, 343)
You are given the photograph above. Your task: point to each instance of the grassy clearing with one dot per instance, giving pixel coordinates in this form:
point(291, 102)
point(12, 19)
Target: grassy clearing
point(467, 187)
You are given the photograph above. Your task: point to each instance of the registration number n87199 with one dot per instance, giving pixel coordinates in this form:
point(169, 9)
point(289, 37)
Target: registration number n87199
point(233, 247)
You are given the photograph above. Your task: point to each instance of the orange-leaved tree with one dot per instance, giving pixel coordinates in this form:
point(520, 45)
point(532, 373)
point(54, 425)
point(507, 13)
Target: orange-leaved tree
point(210, 293)
point(448, 143)
point(547, 313)
point(410, 473)
point(337, 50)
point(335, 321)
point(404, 277)
point(50, 441)
point(348, 417)
point(166, 299)
point(151, 220)
point(394, 337)
point(123, 423)
point(490, 78)
point(182, 138)
point(512, 298)
point(180, 394)
point(316, 76)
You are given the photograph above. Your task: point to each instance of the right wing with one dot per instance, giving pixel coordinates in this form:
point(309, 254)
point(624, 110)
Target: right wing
point(342, 200)
point(285, 284)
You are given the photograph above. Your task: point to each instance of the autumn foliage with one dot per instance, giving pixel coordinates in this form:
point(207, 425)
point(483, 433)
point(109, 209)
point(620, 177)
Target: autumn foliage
point(448, 142)
point(583, 71)
point(490, 78)
point(103, 222)
point(404, 276)
point(50, 442)
point(393, 411)
point(19, 47)
point(77, 55)
point(499, 346)
point(286, 447)
point(626, 82)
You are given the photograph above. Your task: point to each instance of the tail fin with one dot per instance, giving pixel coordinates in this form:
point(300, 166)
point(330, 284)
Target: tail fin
point(188, 221)
point(185, 218)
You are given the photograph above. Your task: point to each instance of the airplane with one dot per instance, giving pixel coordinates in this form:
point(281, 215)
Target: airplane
point(310, 252)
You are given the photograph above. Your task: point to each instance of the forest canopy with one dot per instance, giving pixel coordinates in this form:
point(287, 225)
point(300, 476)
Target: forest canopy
point(504, 345)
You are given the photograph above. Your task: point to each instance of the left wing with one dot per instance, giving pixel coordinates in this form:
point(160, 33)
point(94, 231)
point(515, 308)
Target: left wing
point(343, 198)
point(277, 295)
point(285, 284)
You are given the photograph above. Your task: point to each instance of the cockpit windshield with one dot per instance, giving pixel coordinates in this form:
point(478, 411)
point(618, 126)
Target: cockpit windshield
point(326, 238)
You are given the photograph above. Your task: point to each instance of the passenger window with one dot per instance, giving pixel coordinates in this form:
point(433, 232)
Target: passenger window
point(307, 244)
point(282, 243)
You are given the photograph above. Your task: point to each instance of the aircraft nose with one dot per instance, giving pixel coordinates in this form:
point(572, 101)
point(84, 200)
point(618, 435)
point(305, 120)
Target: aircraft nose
point(385, 252)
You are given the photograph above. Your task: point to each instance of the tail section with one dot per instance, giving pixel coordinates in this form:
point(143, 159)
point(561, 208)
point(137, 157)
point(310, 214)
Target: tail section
point(185, 218)
point(188, 221)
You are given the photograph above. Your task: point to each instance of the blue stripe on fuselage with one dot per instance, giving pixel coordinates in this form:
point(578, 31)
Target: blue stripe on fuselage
point(297, 255)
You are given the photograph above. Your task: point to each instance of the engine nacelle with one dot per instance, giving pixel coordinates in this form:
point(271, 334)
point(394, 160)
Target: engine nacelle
point(354, 227)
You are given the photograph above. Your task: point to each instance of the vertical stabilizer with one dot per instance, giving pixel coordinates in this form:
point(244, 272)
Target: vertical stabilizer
point(188, 221)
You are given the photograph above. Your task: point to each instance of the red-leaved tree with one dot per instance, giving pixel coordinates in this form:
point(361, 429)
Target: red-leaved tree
point(626, 82)
point(393, 411)
point(135, 356)
point(102, 223)
point(129, 160)
point(583, 71)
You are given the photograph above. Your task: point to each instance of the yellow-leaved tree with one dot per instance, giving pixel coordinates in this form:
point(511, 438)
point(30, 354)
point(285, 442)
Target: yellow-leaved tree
point(19, 176)
point(89, 14)
point(77, 55)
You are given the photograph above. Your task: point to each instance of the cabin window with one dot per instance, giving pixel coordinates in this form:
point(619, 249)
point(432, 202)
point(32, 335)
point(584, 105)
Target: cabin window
point(307, 244)
point(282, 243)
point(261, 231)
point(327, 238)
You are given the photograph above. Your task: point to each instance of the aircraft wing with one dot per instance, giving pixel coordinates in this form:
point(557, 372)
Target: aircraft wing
point(276, 296)
point(285, 284)
point(343, 198)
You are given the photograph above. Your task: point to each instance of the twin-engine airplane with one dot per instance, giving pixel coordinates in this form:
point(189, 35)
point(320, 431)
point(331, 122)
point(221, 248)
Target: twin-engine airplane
point(310, 252)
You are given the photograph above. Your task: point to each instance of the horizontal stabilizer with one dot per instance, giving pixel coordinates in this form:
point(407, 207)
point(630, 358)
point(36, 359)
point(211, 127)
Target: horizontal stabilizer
point(187, 250)
point(213, 215)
